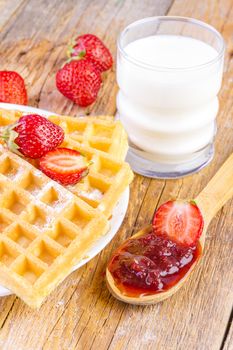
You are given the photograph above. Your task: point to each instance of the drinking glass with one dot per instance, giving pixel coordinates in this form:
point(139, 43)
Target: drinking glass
point(169, 111)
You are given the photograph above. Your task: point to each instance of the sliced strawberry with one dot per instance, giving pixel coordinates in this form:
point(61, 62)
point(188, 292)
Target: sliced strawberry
point(180, 221)
point(64, 165)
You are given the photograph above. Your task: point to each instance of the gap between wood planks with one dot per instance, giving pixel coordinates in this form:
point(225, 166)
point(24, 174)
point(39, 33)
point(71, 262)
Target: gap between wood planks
point(227, 331)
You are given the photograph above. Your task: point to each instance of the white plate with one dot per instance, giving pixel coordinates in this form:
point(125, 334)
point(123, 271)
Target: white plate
point(117, 215)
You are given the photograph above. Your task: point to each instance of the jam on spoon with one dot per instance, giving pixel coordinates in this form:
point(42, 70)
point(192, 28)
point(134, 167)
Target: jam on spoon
point(157, 260)
point(151, 264)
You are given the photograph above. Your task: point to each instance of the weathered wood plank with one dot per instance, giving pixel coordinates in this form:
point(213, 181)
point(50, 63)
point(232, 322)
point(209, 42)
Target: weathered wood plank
point(9, 10)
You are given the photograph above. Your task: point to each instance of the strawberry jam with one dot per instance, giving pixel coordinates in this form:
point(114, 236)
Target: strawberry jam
point(151, 264)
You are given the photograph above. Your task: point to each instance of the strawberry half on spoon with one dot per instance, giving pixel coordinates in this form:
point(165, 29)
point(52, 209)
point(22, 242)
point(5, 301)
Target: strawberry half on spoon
point(180, 221)
point(64, 165)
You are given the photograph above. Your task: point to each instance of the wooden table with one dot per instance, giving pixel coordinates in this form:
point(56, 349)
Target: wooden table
point(81, 314)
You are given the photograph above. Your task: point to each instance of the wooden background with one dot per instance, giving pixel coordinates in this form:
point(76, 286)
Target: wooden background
point(81, 314)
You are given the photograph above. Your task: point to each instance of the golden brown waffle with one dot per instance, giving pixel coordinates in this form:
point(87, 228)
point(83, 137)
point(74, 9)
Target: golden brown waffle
point(45, 230)
point(101, 133)
point(106, 181)
point(108, 177)
point(9, 116)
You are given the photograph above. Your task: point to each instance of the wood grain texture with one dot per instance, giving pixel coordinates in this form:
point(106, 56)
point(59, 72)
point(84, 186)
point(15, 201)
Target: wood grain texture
point(81, 314)
point(9, 10)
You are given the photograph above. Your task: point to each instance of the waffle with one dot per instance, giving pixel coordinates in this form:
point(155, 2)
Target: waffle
point(108, 177)
point(101, 133)
point(106, 181)
point(45, 230)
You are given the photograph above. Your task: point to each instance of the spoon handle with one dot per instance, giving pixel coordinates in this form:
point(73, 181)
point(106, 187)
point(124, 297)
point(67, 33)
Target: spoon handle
point(217, 192)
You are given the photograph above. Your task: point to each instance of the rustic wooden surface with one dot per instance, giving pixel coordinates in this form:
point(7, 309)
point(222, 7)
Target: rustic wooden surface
point(81, 314)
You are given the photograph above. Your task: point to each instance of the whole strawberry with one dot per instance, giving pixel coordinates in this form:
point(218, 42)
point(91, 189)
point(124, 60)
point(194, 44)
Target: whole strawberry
point(33, 136)
point(12, 88)
point(79, 81)
point(91, 48)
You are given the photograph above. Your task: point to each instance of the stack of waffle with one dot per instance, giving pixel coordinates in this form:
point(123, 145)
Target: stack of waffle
point(47, 228)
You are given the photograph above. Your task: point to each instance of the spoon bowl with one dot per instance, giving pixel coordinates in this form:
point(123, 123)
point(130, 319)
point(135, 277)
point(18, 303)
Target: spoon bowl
point(212, 198)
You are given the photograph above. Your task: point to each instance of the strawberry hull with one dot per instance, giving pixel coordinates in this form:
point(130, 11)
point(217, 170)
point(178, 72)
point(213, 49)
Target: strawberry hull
point(91, 48)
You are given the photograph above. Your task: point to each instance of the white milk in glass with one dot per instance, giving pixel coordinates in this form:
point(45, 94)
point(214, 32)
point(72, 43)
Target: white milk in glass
point(168, 96)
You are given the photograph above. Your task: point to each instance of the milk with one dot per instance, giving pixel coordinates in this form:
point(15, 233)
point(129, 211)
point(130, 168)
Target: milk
point(168, 96)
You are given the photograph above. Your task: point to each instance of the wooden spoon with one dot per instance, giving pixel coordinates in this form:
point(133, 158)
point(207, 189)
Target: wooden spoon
point(212, 198)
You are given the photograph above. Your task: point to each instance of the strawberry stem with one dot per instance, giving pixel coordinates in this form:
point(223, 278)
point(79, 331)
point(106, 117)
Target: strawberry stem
point(80, 56)
point(70, 47)
point(9, 135)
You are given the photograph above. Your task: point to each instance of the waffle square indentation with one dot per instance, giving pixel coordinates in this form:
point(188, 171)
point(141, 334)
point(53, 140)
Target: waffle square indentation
point(7, 253)
point(32, 183)
point(28, 269)
point(21, 235)
point(63, 234)
point(4, 222)
point(103, 130)
point(45, 252)
point(38, 217)
point(108, 168)
point(78, 216)
point(100, 144)
point(15, 202)
point(54, 198)
point(10, 169)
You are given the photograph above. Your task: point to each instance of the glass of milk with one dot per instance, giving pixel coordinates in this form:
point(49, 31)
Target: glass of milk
point(169, 72)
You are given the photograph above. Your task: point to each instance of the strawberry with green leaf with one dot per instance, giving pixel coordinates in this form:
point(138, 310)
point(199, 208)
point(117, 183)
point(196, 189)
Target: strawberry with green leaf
point(32, 136)
point(91, 48)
